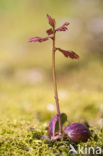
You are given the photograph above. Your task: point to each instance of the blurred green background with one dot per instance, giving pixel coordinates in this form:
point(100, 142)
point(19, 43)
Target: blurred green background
point(26, 89)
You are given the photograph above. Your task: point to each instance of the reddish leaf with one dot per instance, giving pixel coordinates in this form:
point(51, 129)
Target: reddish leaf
point(51, 20)
point(38, 39)
point(49, 31)
point(66, 24)
point(63, 27)
point(68, 53)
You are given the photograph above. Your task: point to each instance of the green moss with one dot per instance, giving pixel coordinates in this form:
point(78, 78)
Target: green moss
point(23, 138)
point(25, 115)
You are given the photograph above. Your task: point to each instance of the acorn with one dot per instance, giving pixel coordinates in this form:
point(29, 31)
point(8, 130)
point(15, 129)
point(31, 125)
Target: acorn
point(77, 132)
point(53, 128)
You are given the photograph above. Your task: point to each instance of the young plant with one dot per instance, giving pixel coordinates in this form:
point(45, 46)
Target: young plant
point(56, 123)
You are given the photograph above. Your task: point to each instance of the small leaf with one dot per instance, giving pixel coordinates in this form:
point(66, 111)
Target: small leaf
point(38, 39)
point(54, 125)
point(77, 132)
point(68, 53)
point(66, 24)
point(49, 31)
point(51, 20)
point(63, 27)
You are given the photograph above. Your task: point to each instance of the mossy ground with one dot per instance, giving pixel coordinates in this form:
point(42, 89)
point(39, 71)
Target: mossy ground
point(25, 138)
point(27, 109)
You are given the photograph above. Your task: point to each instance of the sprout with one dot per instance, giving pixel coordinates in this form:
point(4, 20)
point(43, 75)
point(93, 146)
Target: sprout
point(76, 131)
point(53, 128)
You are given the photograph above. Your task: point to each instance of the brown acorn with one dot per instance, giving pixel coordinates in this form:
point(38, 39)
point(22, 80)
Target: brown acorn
point(77, 132)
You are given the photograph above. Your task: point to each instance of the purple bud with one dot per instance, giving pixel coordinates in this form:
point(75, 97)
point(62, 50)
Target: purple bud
point(77, 132)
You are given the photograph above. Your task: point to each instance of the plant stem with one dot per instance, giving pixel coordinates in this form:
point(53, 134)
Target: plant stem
point(55, 83)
